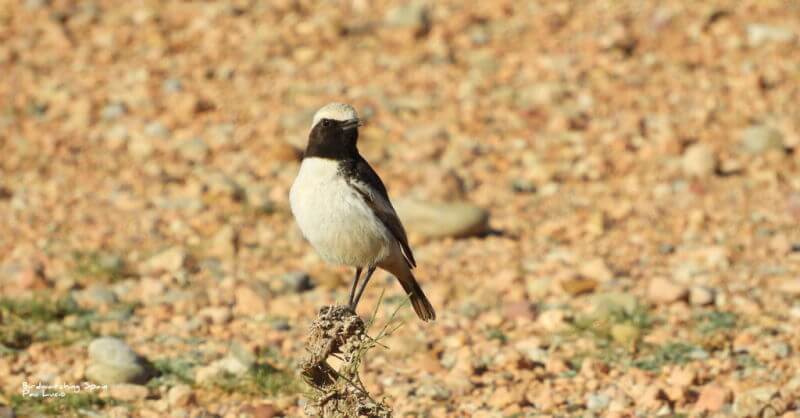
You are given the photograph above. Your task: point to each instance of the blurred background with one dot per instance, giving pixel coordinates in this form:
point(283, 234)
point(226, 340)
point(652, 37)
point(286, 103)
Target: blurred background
point(603, 198)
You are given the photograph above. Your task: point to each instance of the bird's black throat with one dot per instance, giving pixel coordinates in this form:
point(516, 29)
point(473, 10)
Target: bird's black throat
point(330, 141)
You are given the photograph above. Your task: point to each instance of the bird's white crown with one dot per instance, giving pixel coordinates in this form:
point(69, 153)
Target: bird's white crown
point(335, 111)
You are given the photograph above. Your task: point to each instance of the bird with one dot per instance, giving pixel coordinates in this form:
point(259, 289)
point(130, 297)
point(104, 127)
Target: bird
point(343, 209)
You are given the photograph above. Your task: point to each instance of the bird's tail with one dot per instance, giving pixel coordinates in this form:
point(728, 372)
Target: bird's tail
point(422, 306)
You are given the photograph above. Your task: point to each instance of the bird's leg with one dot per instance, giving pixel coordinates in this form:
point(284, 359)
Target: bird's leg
point(353, 288)
point(363, 285)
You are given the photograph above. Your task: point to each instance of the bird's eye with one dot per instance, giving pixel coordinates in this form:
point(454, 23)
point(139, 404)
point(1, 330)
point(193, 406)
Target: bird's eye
point(326, 123)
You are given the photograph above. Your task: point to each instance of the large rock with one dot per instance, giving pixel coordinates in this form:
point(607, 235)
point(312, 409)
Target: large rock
point(439, 220)
point(111, 361)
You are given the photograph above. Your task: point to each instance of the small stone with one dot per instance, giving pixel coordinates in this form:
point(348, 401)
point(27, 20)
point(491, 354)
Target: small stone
point(411, 15)
point(128, 392)
point(249, 302)
point(758, 139)
point(530, 347)
point(596, 269)
point(259, 411)
point(95, 296)
point(699, 160)
point(682, 377)
point(194, 150)
point(207, 374)
point(579, 286)
point(712, 398)
point(258, 196)
point(6, 412)
point(140, 147)
point(503, 397)
point(298, 281)
point(597, 401)
point(156, 130)
point(171, 85)
point(701, 296)
point(439, 220)
point(607, 304)
point(781, 349)
point(225, 242)
point(244, 356)
point(168, 261)
point(663, 290)
point(180, 395)
point(786, 285)
point(552, 320)
point(113, 111)
point(759, 34)
point(625, 334)
point(753, 401)
point(112, 361)
point(216, 314)
point(434, 391)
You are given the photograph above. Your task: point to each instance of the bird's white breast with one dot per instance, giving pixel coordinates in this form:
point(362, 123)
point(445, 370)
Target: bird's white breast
point(334, 217)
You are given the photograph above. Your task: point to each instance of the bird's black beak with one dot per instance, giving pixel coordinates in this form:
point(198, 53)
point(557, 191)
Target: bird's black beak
point(352, 124)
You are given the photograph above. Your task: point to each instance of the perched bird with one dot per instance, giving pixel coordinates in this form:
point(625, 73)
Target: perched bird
point(343, 209)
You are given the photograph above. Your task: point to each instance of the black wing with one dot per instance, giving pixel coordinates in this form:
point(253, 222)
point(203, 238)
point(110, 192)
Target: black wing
point(364, 180)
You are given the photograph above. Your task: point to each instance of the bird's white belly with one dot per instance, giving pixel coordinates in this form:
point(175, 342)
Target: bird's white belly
point(334, 218)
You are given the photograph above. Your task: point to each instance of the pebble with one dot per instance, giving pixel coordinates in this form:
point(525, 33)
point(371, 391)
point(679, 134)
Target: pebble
point(758, 139)
point(112, 361)
point(759, 34)
point(701, 296)
point(171, 85)
point(413, 14)
point(781, 349)
point(553, 320)
point(596, 269)
point(259, 411)
point(180, 395)
point(661, 290)
point(216, 314)
point(224, 242)
point(140, 147)
point(168, 261)
point(579, 286)
point(712, 398)
point(156, 129)
point(258, 196)
point(113, 111)
point(128, 392)
point(195, 150)
point(625, 334)
point(750, 403)
point(298, 281)
point(95, 296)
point(597, 401)
point(699, 160)
point(530, 347)
point(249, 302)
point(440, 220)
point(606, 304)
point(433, 391)
point(786, 285)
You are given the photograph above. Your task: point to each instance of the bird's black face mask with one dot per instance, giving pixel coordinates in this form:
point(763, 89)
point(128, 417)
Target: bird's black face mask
point(333, 139)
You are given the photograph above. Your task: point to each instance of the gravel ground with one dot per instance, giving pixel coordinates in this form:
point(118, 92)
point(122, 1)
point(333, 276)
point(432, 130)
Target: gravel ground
point(637, 163)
